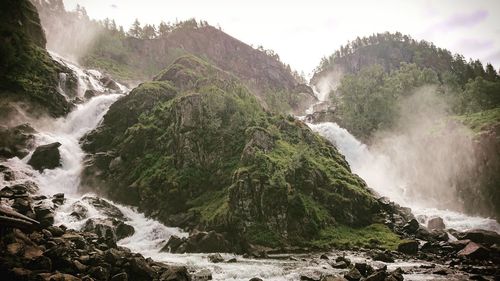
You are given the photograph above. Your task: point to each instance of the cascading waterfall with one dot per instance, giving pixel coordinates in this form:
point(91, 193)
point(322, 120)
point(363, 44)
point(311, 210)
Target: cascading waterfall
point(380, 173)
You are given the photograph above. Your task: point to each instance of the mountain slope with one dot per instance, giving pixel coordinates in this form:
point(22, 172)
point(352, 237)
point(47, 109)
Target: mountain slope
point(194, 143)
point(28, 75)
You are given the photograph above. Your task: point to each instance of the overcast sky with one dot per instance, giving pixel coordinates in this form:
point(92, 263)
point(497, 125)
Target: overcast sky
point(302, 32)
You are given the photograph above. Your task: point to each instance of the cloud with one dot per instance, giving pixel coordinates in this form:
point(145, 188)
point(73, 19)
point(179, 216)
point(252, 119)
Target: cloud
point(461, 21)
point(114, 6)
point(474, 44)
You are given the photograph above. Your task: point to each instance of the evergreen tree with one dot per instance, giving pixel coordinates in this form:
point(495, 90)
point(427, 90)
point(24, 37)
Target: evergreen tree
point(136, 29)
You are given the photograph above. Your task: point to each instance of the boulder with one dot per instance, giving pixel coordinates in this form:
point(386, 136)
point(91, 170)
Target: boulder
point(202, 275)
point(174, 242)
point(408, 247)
point(474, 251)
point(120, 277)
point(109, 83)
point(177, 273)
point(46, 157)
point(383, 256)
point(377, 276)
point(353, 275)
point(364, 268)
point(16, 141)
point(436, 223)
point(199, 242)
point(481, 236)
point(215, 258)
point(411, 227)
point(124, 230)
point(105, 207)
point(140, 270)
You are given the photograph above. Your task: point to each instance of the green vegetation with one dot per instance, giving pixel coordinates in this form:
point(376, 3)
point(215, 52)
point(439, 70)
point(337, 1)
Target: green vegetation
point(482, 120)
point(395, 66)
point(195, 140)
point(28, 74)
point(372, 236)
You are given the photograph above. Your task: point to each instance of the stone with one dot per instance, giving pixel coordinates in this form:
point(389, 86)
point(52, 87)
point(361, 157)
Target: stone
point(364, 268)
point(255, 279)
point(15, 249)
point(16, 141)
point(63, 277)
point(377, 276)
point(173, 243)
point(124, 230)
point(122, 276)
point(481, 236)
point(99, 273)
point(176, 273)
point(353, 275)
point(55, 231)
point(408, 247)
point(332, 278)
point(139, 269)
point(105, 207)
point(339, 264)
point(436, 223)
point(215, 258)
point(412, 226)
point(202, 275)
point(79, 212)
point(41, 263)
point(46, 157)
point(323, 257)
point(383, 256)
point(474, 251)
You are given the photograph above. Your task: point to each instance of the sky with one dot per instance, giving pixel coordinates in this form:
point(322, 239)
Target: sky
point(302, 32)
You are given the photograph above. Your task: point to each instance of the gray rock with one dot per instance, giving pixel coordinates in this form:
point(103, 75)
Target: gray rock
point(46, 157)
point(436, 223)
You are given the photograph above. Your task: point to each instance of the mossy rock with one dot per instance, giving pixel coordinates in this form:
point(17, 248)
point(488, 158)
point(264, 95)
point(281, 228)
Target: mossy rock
point(196, 140)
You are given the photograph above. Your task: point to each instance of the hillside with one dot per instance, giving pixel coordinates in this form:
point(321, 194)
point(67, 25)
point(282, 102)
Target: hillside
point(195, 144)
point(137, 57)
point(29, 77)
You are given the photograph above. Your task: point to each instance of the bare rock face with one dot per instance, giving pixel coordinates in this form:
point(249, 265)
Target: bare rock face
point(436, 223)
point(46, 157)
point(16, 141)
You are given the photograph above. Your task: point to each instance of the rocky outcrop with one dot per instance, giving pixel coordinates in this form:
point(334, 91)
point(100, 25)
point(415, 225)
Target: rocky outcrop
point(29, 78)
point(194, 146)
point(46, 157)
point(16, 141)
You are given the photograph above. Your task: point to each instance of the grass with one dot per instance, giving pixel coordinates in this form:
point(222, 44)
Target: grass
point(372, 236)
point(260, 234)
point(481, 120)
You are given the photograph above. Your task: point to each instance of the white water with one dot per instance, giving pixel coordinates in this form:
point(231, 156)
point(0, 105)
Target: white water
point(379, 172)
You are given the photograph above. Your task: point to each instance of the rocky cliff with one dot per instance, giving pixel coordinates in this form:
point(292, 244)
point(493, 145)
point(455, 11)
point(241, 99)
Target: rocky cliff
point(28, 76)
point(195, 149)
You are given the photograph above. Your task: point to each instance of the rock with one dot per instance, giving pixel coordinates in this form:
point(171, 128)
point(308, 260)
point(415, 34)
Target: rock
point(105, 207)
point(16, 141)
point(55, 231)
point(41, 263)
point(364, 268)
point(255, 279)
point(46, 157)
point(99, 273)
point(174, 242)
point(176, 273)
point(23, 206)
point(383, 256)
point(311, 276)
point(140, 270)
point(397, 274)
point(58, 198)
point(215, 258)
point(120, 277)
point(353, 275)
point(408, 247)
point(436, 223)
point(104, 228)
point(323, 257)
point(412, 226)
point(90, 94)
point(474, 251)
point(15, 249)
point(124, 230)
point(332, 278)
point(109, 83)
point(339, 264)
point(377, 276)
point(441, 271)
point(63, 277)
point(202, 275)
point(79, 212)
point(481, 236)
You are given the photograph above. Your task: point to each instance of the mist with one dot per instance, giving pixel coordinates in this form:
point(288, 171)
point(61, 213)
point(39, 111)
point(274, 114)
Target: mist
point(424, 160)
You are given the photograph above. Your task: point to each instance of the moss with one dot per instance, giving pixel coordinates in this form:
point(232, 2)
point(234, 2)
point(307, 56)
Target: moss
point(372, 236)
point(212, 206)
point(260, 234)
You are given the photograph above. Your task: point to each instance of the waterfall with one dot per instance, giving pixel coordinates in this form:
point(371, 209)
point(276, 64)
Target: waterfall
point(382, 173)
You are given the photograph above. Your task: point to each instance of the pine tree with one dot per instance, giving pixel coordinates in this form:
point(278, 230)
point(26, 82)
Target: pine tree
point(136, 29)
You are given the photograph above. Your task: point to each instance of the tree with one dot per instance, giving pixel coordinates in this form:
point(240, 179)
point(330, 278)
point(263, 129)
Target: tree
point(163, 29)
point(135, 30)
point(491, 74)
point(148, 32)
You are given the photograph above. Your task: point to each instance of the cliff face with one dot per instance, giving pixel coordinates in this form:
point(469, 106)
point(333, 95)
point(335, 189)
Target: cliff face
point(28, 75)
point(195, 144)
